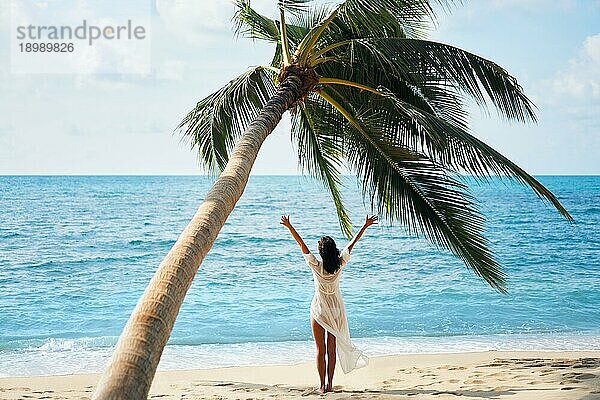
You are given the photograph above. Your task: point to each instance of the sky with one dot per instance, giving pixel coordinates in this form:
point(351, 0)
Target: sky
point(97, 123)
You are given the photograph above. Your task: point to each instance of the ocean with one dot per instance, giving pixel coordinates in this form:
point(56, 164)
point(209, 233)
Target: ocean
point(76, 252)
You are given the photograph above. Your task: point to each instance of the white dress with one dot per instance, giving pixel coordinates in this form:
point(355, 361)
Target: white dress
point(327, 308)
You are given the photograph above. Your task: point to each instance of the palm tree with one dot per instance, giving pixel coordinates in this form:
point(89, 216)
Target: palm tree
point(365, 91)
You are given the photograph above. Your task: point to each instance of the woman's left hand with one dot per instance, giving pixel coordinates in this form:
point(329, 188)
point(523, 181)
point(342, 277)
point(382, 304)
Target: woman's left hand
point(285, 221)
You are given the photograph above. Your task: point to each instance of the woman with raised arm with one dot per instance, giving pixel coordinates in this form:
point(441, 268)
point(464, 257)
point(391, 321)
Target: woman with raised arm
point(327, 312)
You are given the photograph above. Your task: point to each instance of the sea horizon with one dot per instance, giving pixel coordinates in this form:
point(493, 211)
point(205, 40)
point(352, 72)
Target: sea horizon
point(274, 175)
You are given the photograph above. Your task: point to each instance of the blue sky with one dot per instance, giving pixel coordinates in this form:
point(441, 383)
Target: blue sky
point(123, 124)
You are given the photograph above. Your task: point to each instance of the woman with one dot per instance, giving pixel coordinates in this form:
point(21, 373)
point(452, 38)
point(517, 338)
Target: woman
point(327, 313)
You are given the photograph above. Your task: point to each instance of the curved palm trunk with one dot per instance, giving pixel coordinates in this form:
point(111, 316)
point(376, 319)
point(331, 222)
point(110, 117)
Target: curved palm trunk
point(131, 369)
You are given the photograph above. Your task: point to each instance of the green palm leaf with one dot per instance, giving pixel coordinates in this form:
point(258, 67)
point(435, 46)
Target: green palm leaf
point(252, 24)
point(410, 188)
point(320, 150)
point(417, 61)
point(294, 6)
point(448, 144)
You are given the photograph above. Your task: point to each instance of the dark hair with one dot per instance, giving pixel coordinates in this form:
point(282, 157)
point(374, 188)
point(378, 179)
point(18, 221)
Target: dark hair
point(330, 254)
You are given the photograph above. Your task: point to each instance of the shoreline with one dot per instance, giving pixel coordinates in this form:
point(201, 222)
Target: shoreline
point(489, 374)
point(82, 356)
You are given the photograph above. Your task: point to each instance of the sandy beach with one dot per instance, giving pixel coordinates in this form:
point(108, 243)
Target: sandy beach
point(486, 375)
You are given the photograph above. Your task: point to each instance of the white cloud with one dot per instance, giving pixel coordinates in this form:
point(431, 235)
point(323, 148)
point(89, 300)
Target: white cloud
point(202, 22)
point(171, 70)
point(191, 14)
point(195, 22)
point(103, 82)
point(5, 14)
point(581, 79)
point(591, 47)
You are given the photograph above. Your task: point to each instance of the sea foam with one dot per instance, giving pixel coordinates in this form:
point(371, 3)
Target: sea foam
point(87, 355)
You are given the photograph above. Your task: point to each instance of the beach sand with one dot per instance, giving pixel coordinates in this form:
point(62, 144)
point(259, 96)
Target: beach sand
point(485, 375)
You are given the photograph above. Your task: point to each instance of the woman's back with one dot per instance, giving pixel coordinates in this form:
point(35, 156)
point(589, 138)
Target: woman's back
point(325, 282)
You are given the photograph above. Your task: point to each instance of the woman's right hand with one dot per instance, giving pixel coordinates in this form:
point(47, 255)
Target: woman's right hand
point(285, 221)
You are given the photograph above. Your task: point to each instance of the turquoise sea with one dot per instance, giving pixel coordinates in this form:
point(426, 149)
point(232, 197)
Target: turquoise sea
point(76, 253)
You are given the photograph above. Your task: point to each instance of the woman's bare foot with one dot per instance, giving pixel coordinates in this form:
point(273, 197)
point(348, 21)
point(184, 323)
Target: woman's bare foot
point(329, 388)
point(322, 390)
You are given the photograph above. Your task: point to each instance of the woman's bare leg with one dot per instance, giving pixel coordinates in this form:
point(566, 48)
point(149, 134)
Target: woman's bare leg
point(319, 334)
point(330, 361)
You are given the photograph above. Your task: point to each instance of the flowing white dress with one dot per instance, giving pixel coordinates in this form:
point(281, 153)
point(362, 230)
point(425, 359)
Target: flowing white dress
point(327, 308)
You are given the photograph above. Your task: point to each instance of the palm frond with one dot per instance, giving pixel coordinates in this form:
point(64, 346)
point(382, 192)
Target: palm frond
point(416, 61)
point(460, 148)
point(320, 150)
point(415, 127)
point(410, 188)
point(294, 6)
point(387, 18)
point(353, 19)
point(251, 24)
point(312, 17)
point(217, 121)
point(428, 92)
